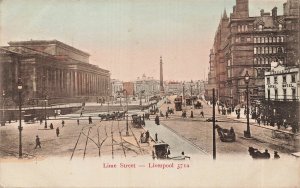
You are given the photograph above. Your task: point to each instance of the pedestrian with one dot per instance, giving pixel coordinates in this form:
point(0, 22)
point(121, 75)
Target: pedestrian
point(157, 120)
point(202, 114)
point(63, 123)
point(77, 121)
point(167, 115)
point(258, 120)
point(147, 136)
point(267, 154)
point(90, 120)
point(141, 137)
point(57, 131)
point(51, 126)
point(37, 142)
point(192, 114)
point(156, 139)
point(276, 156)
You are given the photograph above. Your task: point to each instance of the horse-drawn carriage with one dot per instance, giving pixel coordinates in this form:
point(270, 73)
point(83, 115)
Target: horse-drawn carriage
point(198, 105)
point(170, 111)
point(137, 121)
point(256, 154)
point(162, 151)
point(154, 111)
point(225, 134)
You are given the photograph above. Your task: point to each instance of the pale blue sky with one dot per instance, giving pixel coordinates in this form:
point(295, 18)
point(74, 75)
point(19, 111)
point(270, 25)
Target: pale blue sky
point(127, 37)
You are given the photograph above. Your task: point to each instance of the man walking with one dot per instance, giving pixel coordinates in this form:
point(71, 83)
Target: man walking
point(90, 120)
point(57, 131)
point(63, 123)
point(37, 142)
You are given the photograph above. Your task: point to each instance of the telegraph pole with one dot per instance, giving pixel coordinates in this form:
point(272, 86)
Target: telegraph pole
point(214, 126)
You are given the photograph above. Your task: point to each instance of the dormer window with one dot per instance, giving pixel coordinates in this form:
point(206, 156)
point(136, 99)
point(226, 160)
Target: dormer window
point(260, 27)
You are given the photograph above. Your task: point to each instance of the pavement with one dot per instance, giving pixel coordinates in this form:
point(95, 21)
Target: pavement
point(177, 143)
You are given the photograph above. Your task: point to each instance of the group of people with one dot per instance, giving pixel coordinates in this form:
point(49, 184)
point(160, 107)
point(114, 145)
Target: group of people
point(145, 137)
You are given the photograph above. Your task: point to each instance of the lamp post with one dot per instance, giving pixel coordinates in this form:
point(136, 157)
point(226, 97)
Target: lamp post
point(108, 98)
point(3, 117)
point(247, 133)
point(20, 87)
point(183, 96)
point(45, 111)
point(124, 90)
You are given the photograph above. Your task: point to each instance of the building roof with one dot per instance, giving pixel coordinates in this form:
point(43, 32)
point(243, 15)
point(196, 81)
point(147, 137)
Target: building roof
point(46, 42)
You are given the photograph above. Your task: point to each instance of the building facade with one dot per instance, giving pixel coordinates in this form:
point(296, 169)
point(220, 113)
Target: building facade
point(52, 70)
point(282, 92)
point(244, 43)
point(116, 87)
point(147, 85)
point(129, 87)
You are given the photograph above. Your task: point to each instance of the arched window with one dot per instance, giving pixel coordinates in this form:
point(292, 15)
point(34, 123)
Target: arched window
point(274, 39)
point(270, 49)
point(274, 50)
point(278, 39)
point(254, 39)
point(258, 40)
point(267, 60)
point(280, 27)
point(263, 40)
point(266, 40)
point(260, 27)
point(282, 39)
point(270, 39)
point(255, 50)
point(255, 61)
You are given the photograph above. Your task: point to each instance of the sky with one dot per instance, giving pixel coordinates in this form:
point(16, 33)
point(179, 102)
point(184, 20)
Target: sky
point(127, 37)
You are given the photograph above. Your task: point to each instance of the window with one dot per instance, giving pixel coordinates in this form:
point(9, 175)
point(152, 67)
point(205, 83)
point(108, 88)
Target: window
point(262, 50)
point(276, 94)
point(254, 39)
point(258, 40)
point(274, 50)
point(280, 27)
point(243, 28)
point(242, 39)
point(266, 50)
point(278, 39)
point(270, 50)
point(255, 61)
point(239, 28)
point(248, 39)
point(255, 50)
point(263, 40)
point(293, 80)
point(294, 93)
point(275, 80)
point(268, 94)
point(267, 60)
point(260, 27)
point(268, 80)
point(284, 79)
point(270, 39)
point(237, 39)
point(228, 62)
point(282, 39)
point(274, 39)
point(246, 27)
point(284, 94)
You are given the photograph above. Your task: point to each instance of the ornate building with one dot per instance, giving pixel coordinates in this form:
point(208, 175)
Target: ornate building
point(244, 43)
point(52, 70)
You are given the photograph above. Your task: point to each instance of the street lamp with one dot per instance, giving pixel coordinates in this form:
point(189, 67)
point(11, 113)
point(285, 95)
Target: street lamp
point(124, 90)
point(183, 96)
point(3, 121)
point(142, 91)
point(247, 133)
point(45, 111)
point(108, 98)
point(20, 87)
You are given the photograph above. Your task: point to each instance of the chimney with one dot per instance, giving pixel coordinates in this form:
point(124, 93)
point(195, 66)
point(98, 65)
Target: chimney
point(262, 12)
point(274, 13)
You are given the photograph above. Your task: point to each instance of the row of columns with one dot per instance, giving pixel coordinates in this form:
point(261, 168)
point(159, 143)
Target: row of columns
point(70, 83)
